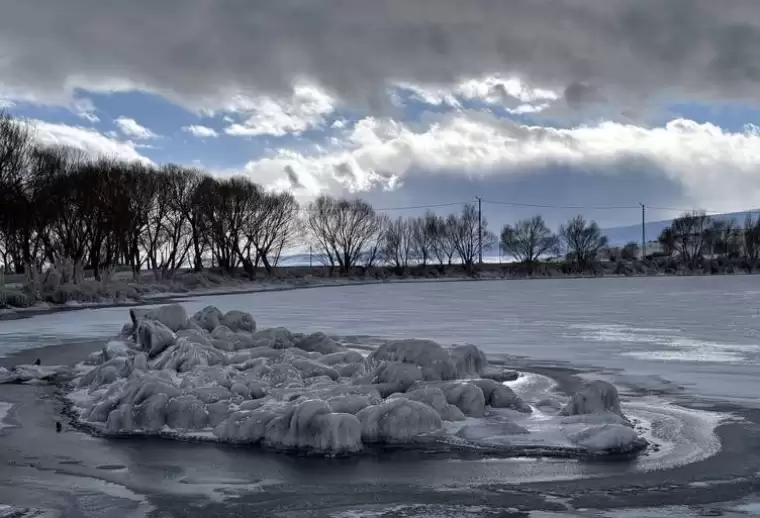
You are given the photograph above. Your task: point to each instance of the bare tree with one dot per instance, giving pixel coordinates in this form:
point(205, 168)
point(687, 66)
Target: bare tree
point(342, 229)
point(690, 234)
point(374, 250)
point(667, 241)
point(422, 239)
point(630, 251)
point(723, 239)
point(399, 243)
point(465, 234)
point(528, 240)
point(584, 241)
point(274, 226)
point(63, 181)
point(441, 239)
point(16, 204)
point(750, 235)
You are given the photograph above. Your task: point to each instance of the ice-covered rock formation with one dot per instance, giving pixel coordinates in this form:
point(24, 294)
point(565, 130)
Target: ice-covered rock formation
point(215, 376)
point(595, 397)
point(31, 374)
point(398, 420)
point(434, 361)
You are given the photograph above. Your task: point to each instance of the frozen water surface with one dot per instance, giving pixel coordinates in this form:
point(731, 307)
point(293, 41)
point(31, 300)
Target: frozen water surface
point(701, 333)
point(651, 334)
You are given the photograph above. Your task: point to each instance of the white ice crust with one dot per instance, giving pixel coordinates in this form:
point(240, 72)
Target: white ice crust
point(215, 376)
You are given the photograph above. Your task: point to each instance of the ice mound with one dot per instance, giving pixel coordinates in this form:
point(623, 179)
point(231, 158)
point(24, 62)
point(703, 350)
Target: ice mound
point(398, 420)
point(215, 376)
point(596, 397)
point(433, 360)
point(31, 374)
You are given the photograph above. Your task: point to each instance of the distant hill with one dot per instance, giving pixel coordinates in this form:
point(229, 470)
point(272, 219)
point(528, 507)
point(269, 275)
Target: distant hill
point(619, 236)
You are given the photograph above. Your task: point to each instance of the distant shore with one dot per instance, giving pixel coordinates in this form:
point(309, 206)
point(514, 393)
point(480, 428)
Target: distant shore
point(21, 302)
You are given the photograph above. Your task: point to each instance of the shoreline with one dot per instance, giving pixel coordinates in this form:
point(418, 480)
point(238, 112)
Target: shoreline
point(278, 285)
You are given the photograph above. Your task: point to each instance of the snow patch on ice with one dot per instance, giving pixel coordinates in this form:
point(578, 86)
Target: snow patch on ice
point(5, 409)
point(674, 345)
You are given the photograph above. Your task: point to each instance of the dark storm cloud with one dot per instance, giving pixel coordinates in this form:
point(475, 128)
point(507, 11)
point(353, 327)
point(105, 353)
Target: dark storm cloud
point(196, 51)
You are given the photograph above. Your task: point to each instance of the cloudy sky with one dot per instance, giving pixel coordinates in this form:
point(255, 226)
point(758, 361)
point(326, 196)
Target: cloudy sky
point(570, 103)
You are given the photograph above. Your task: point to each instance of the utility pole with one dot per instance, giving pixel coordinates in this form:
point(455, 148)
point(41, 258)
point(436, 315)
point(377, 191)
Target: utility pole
point(643, 232)
point(309, 256)
point(480, 231)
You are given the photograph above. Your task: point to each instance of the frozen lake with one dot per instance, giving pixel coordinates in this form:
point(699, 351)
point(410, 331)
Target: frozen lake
point(701, 333)
point(644, 333)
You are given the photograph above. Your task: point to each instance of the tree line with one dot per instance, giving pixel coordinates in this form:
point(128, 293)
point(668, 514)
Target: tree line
point(695, 236)
point(60, 207)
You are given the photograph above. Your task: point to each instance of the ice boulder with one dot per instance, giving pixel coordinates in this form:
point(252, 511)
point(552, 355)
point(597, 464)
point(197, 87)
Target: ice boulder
point(320, 343)
point(276, 338)
point(106, 373)
point(434, 398)
point(120, 420)
point(222, 332)
point(172, 316)
point(350, 370)
point(499, 374)
point(185, 413)
point(186, 355)
point(353, 403)
point(604, 438)
point(207, 318)
point(127, 330)
point(400, 375)
point(311, 369)
point(194, 336)
point(247, 426)
point(430, 357)
point(153, 337)
point(210, 376)
point(30, 373)
point(469, 360)
point(398, 421)
point(239, 321)
point(465, 395)
point(341, 357)
point(595, 397)
point(210, 395)
point(312, 426)
point(115, 349)
point(500, 396)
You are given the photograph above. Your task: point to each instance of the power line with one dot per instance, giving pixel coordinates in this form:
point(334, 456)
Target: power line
point(675, 209)
point(574, 207)
point(409, 207)
point(545, 206)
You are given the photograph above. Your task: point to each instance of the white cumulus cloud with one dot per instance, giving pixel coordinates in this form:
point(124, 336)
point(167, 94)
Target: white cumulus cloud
point(131, 128)
point(200, 131)
point(306, 108)
point(88, 140)
point(715, 168)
